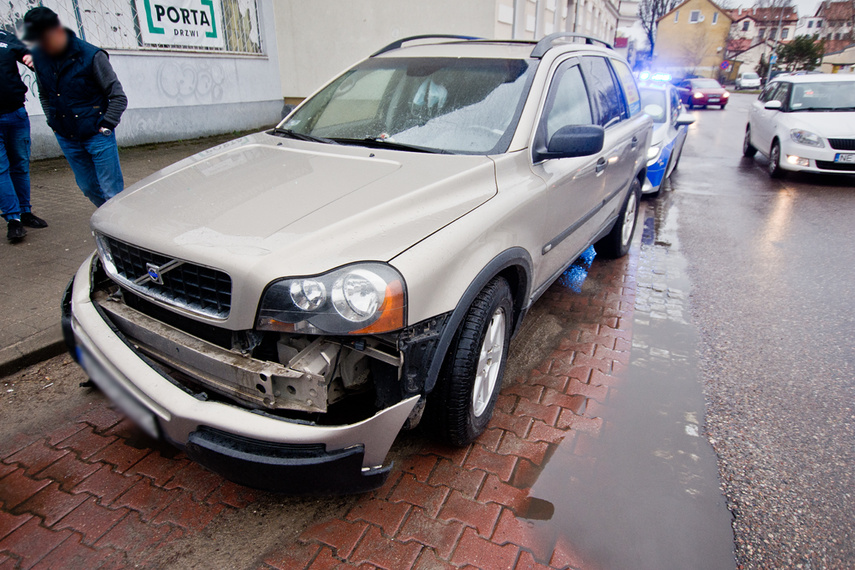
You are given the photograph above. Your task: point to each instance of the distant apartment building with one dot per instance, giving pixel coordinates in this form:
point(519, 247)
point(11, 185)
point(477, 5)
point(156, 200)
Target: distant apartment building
point(837, 24)
point(691, 39)
point(809, 26)
point(759, 24)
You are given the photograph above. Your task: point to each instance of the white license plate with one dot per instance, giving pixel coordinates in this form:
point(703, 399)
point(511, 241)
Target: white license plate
point(713, 99)
point(848, 158)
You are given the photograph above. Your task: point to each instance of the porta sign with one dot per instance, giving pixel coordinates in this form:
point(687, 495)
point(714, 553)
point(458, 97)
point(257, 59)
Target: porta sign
point(185, 23)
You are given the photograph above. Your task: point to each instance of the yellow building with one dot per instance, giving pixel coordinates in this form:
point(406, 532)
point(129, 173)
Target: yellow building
point(691, 39)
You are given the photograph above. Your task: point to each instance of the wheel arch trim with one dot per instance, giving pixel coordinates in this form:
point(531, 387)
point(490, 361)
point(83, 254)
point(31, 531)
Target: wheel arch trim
point(516, 259)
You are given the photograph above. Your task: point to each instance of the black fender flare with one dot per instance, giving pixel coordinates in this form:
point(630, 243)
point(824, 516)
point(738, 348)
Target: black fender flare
point(513, 257)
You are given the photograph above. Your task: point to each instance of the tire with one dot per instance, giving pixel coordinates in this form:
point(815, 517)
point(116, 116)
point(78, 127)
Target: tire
point(677, 161)
point(748, 149)
point(690, 106)
point(775, 170)
point(618, 241)
point(458, 411)
point(722, 107)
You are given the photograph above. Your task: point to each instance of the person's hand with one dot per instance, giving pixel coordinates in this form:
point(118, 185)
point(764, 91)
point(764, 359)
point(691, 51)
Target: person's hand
point(27, 60)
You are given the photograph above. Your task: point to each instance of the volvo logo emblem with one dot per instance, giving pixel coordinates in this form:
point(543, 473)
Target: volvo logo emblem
point(155, 273)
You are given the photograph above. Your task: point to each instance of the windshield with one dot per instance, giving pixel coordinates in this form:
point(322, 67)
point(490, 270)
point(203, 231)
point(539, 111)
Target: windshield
point(455, 105)
point(750, 76)
point(822, 96)
point(705, 84)
point(653, 103)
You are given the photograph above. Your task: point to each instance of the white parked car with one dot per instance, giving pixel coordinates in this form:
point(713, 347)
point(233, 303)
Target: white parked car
point(804, 123)
point(748, 80)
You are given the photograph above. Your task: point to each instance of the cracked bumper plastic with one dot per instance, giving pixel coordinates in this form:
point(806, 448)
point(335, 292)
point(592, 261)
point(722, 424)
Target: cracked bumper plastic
point(292, 455)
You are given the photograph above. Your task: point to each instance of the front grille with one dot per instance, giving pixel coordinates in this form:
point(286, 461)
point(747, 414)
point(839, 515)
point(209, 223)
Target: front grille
point(189, 286)
point(839, 166)
point(842, 144)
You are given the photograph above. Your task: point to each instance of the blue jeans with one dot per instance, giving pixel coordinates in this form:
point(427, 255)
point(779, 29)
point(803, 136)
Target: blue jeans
point(95, 162)
point(14, 164)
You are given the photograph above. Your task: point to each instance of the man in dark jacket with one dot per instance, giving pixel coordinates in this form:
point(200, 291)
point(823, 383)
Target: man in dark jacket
point(83, 101)
point(15, 141)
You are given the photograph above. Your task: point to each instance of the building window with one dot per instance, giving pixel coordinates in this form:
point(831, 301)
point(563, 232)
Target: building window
point(810, 24)
point(772, 33)
point(715, 18)
point(761, 33)
point(746, 25)
point(676, 16)
point(819, 23)
point(837, 36)
point(784, 33)
point(694, 16)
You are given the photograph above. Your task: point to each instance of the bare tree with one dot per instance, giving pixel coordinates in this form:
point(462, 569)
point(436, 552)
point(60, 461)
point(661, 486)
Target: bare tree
point(649, 12)
point(696, 48)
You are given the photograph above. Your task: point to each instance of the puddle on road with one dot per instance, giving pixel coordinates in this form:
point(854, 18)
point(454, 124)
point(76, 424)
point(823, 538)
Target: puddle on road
point(645, 492)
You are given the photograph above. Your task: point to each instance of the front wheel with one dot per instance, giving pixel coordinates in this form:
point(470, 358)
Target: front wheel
point(617, 242)
point(775, 170)
point(462, 403)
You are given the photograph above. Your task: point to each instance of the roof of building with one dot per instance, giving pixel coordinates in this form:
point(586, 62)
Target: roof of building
point(835, 11)
point(765, 15)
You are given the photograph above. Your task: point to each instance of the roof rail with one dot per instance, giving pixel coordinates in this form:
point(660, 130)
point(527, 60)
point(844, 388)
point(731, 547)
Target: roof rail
point(546, 43)
point(399, 43)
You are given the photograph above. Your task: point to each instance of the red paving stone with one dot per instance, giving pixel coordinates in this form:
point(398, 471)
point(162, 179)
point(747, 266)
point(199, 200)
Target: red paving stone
point(89, 493)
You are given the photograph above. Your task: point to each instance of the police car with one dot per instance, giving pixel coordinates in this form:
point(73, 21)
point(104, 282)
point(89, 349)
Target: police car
point(660, 100)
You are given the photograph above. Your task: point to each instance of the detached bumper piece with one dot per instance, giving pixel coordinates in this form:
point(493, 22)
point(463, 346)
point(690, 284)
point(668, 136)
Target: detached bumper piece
point(296, 469)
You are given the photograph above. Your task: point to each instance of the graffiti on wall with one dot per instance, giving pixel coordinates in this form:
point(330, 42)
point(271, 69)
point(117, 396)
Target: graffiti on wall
point(195, 81)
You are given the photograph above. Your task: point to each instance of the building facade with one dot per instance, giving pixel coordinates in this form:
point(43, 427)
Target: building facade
point(759, 24)
point(838, 19)
point(691, 40)
point(190, 68)
point(321, 38)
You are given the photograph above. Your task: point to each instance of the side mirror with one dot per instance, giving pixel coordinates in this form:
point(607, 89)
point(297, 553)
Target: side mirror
point(577, 140)
point(684, 119)
point(773, 105)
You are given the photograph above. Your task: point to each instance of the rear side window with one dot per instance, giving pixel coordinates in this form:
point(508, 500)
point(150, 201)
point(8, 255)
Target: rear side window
point(630, 88)
point(767, 93)
point(567, 103)
point(607, 100)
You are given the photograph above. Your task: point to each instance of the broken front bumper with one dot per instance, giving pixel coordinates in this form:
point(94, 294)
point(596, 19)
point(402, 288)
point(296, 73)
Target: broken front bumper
point(248, 447)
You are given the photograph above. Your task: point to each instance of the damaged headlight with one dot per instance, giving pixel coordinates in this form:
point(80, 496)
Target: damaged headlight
point(364, 298)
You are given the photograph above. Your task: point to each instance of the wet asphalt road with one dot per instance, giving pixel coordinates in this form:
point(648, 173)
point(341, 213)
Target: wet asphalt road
point(772, 266)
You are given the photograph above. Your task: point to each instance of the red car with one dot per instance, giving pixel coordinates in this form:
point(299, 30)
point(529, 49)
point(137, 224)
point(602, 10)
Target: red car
point(701, 92)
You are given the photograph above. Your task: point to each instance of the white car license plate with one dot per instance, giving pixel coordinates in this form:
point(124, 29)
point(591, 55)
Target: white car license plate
point(713, 99)
point(848, 158)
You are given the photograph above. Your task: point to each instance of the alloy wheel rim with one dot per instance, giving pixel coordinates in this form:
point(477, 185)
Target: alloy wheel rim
point(628, 219)
point(489, 362)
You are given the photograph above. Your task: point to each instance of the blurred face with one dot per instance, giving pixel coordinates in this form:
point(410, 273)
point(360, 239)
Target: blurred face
point(53, 42)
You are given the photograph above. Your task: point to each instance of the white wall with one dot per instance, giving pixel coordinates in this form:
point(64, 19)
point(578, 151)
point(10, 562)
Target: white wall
point(319, 39)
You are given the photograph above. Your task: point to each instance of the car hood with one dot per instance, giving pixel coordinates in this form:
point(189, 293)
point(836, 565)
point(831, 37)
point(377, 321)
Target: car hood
point(264, 207)
point(824, 124)
point(711, 91)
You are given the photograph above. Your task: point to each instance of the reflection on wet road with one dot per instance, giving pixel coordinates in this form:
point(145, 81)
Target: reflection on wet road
point(771, 264)
point(645, 493)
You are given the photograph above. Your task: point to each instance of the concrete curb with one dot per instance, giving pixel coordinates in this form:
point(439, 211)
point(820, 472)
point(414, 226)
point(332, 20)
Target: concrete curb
point(40, 346)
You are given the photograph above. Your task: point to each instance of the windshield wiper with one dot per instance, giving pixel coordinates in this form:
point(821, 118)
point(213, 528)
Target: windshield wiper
point(386, 143)
point(301, 137)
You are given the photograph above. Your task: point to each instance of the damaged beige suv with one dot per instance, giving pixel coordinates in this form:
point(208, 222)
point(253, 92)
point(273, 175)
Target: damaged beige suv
point(282, 305)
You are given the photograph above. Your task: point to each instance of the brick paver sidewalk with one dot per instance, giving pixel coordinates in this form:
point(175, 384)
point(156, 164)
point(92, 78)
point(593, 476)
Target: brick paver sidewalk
point(35, 271)
point(91, 492)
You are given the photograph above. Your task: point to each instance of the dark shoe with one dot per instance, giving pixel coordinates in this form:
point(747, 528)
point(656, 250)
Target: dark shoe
point(32, 221)
point(16, 231)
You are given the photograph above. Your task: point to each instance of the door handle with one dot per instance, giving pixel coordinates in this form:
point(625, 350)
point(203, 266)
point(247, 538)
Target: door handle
point(601, 165)
point(634, 143)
